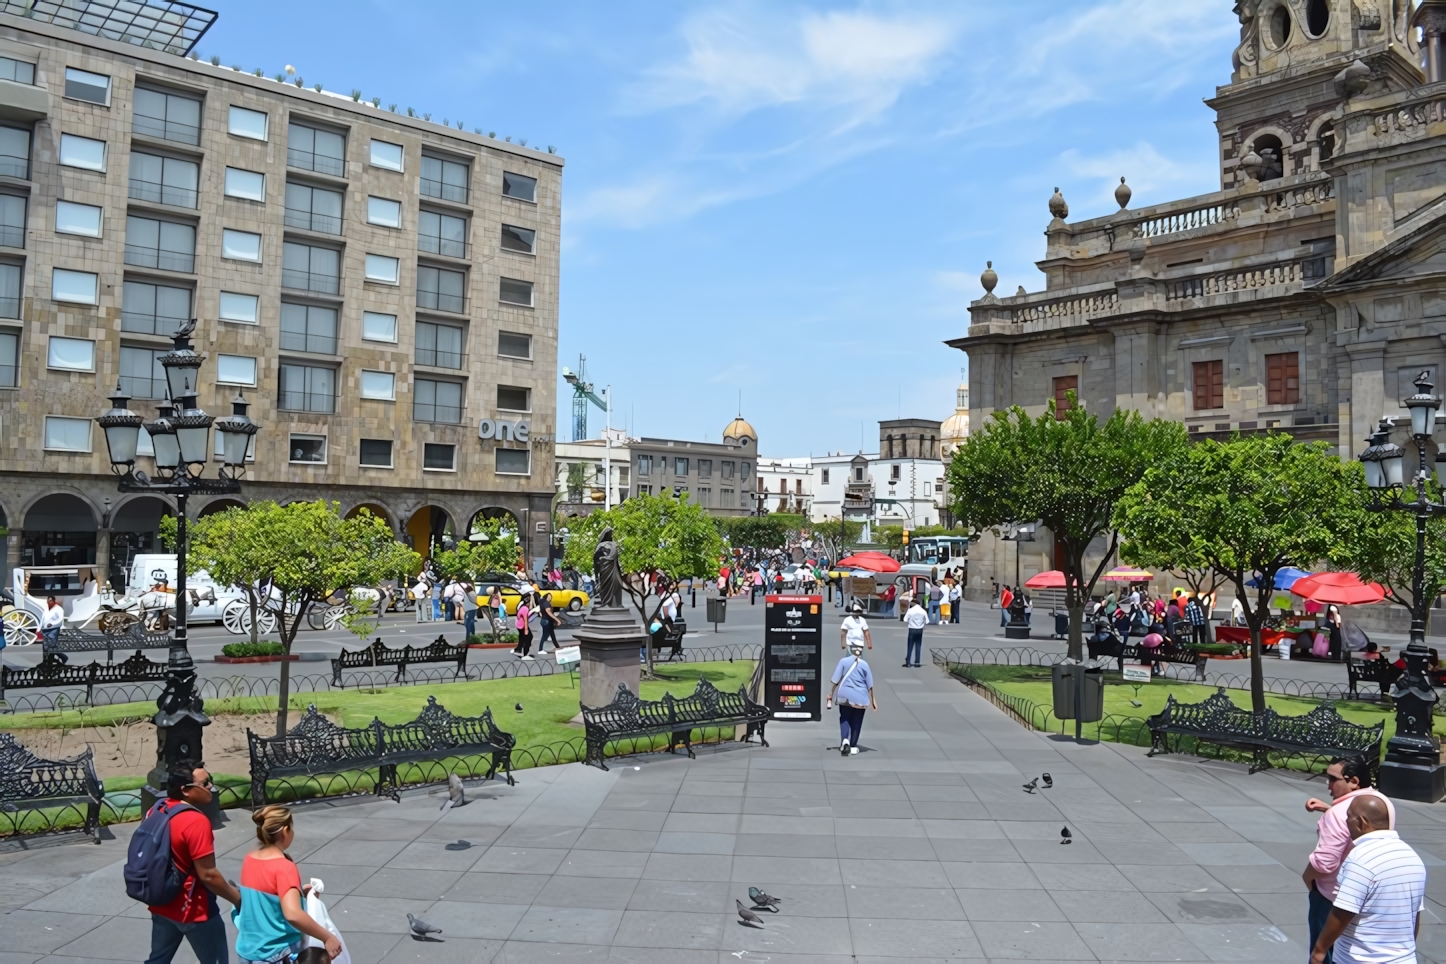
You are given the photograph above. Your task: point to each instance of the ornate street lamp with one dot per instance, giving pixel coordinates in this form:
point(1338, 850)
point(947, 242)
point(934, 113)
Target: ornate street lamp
point(1412, 769)
point(181, 440)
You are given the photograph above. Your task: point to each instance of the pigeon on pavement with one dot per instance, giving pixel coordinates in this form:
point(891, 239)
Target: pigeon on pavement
point(762, 900)
point(456, 796)
point(1065, 836)
point(1048, 780)
point(459, 845)
point(422, 931)
point(749, 919)
point(1029, 787)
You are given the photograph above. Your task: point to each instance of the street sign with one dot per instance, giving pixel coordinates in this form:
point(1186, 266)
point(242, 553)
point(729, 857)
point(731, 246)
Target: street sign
point(1136, 672)
point(793, 657)
point(567, 654)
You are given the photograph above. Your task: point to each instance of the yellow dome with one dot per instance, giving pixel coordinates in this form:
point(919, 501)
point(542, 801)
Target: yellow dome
point(955, 427)
point(738, 428)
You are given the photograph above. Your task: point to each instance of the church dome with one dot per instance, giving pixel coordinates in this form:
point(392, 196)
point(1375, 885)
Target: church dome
point(739, 429)
point(955, 429)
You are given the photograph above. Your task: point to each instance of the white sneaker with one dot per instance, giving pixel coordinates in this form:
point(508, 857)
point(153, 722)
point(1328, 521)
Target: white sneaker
point(844, 748)
point(853, 751)
point(529, 659)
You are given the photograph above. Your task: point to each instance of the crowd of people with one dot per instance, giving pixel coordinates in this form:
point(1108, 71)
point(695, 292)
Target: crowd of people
point(459, 600)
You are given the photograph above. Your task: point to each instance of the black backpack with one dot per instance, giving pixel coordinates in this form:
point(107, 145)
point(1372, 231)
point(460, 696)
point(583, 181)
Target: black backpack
point(151, 875)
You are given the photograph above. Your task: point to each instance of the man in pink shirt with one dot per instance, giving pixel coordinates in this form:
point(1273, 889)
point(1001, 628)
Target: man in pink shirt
point(1346, 779)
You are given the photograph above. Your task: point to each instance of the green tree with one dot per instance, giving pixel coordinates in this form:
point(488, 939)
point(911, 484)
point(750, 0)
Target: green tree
point(756, 531)
point(1243, 508)
point(1066, 473)
point(660, 538)
point(308, 553)
point(489, 548)
point(577, 474)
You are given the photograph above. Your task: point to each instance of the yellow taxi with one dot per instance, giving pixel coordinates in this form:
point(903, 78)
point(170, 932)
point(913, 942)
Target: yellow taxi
point(573, 600)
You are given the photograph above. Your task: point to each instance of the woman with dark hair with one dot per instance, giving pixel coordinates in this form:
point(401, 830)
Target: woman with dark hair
point(549, 621)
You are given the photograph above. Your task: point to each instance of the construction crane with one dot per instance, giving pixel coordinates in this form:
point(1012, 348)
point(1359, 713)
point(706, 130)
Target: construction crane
point(582, 393)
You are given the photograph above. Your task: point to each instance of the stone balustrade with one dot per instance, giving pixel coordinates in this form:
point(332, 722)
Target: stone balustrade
point(1055, 313)
point(1245, 279)
point(1177, 221)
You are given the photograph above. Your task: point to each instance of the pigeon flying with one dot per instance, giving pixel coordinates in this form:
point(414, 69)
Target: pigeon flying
point(1048, 780)
point(422, 931)
point(749, 919)
point(1029, 787)
point(1065, 836)
point(456, 796)
point(761, 900)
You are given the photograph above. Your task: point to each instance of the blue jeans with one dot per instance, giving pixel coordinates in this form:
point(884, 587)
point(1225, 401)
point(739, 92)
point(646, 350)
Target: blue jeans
point(208, 939)
point(469, 622)
point(1320, 909)
point(916, 643)
point(436, 608)
point(933, 613)
point(850, 723)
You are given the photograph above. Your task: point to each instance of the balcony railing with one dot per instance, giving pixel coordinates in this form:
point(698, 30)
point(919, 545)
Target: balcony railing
point(308, 341)
point(311, 221)
point(307, 402)
point(180, 197)
point(433, 412)
point(166, 130)
point(443, 246)
point(150, 324)
point(327, 284)
point(143, 257)
point(138, 386)
point(12, 236)
point(439, 357)
point(437, 301)
point(320, 163)
point(11, 166)
point(443, 190)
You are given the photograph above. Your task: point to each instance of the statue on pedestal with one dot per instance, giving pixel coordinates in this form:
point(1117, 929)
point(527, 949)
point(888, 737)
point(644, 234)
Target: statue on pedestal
point(607, 572)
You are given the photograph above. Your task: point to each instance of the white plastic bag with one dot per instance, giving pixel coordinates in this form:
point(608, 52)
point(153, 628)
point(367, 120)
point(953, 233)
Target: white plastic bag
point(317, 910)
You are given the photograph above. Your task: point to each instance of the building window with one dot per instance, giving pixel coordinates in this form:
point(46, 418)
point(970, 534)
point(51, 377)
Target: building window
point(798, 487)
point(895, 472)
point(76, 287)
point(383, 270)
point(20, 71)
point(153, 309)
point(376, 452)
point(513, 345)
point(15, 152)
point(744, 470)
point(858, 473)
point(444, 179)
point(439, 457)
point(436, 401)
point(514, 461)
point(309, 149)
point(1209, 385)
point(71, 354)
point(384, 211)
point(442, 234)
point(307, 388)
point(239, 307)
point(705, 468)
point(726, 499)
point(1282, 378)
point(518, 239)
point(242, 246)
point(67, 434)
point(235, 370)
point(439, 345)
point(141, 373)
point(515, 292)
point(313, 208)
point(1063, 385)
point(247, 123)
point(379, 326)
point(309, 328)
point(519, 186)
point(83, 85)
point(379, 386)
point(645, 465)
point(170, 117)
point(680, 466)
point(72, 217)
point(164, 180)
point(511, 398)
point(86, 153)
point(726, 469)
point(160, 244)
point(705, 496)
point(309, 268)
point(386, 155)
point(12, 221)
point(9, 359)
point(307, 448)
point(825, 476)
point(441, 290)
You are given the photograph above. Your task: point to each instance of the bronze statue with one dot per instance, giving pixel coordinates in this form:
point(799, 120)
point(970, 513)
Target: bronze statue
point(607, 572)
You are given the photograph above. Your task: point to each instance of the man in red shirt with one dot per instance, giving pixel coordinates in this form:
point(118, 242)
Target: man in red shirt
point(194, 914)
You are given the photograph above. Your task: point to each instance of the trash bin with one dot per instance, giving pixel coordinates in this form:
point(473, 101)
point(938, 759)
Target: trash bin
point(1092, 695)
point(1061, 625)
point(717, 610)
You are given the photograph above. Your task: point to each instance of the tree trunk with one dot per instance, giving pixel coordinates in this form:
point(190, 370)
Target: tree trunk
point(1076, 630)
point(1257, 671)
point(288, 636)
point(251, 599)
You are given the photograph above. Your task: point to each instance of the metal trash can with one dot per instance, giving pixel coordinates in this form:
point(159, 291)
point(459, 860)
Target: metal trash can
point(1092, 693)
point(1061, 625)
point(717, 609)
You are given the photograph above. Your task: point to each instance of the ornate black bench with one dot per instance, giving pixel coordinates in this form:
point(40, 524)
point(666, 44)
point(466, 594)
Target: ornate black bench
point(629, 717)
point(1321, 732)
point(52, 670)
point(671, 640)
point(1378, 671)
point(29, 783)
point(317, 746)
point(1167, 652)
point(79, 641)
point(380, 654)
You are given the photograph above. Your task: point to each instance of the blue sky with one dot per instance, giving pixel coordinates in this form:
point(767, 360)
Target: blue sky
point(789, 200)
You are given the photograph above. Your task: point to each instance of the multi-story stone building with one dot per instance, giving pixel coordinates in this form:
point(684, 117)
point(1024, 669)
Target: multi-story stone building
point(1303, 296)
point(382, 288)
point(899, 485)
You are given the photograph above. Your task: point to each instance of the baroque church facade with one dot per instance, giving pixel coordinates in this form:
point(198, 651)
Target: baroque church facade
point(1303, 296)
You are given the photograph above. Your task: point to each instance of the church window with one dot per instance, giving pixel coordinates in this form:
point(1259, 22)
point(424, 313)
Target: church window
point(1278, 28)
point(1282, 378)
point(1317, 17)
point(1209, 385)
point(1271, 151)
point(1063, 385)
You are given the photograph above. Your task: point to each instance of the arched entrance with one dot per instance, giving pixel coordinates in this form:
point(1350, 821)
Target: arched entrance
point(135, 529)
point(427, 528)
point(375, 510)
point(509, 521)
point(59, 531)
point(219, 505)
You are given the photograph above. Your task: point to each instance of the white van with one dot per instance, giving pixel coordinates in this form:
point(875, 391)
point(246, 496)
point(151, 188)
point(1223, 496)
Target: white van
point(148, 569)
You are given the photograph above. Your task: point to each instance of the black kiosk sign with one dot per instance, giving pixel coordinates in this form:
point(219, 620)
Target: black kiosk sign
point(793, 657)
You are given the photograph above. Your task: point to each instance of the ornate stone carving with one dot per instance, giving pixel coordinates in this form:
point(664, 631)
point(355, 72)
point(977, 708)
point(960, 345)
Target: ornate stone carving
point(1366, 14)
point(1245, 56)
point(1352, 79)
point(989, 278)
point(1057, 206)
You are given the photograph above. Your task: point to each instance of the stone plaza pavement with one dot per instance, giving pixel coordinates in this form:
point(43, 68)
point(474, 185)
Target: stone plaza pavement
point(923, 848)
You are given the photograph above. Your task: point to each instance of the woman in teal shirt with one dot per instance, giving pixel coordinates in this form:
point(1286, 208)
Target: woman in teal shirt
point(270, 921)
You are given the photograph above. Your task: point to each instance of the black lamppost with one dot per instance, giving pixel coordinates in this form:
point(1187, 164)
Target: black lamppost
point(181, 440)
point(1412, 769)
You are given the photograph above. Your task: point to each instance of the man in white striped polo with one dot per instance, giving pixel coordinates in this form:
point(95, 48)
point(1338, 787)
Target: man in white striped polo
point(1380, 892)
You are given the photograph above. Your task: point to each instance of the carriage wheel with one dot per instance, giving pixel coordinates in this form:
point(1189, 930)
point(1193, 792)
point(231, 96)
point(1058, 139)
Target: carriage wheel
point(118, 624)
point(332, 618)
point(236, 617)
point(265, 621)
point(20, 628)
point(316, 618)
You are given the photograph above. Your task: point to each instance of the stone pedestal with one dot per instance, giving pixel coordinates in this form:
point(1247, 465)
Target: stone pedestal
point(609, 640)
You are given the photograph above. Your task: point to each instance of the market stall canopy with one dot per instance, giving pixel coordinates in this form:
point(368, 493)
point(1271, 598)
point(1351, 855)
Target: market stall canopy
point(872, 561)
point(1054, 579)
point(1285, 577)
point(1128, 574)
point(1340, 588)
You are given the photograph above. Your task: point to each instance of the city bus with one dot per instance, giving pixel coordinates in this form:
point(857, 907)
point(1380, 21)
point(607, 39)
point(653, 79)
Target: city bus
point(948, 553)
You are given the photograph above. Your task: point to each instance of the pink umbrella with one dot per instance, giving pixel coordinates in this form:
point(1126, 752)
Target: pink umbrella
point(1053, 579)
point(1340, 588)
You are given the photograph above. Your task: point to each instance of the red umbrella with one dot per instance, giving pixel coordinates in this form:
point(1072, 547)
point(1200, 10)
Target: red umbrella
point(872, 561)
point(1340, 588)
point(1054, 579)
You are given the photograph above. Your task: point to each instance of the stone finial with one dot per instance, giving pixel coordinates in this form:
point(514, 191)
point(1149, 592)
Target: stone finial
point(989, 278)
point(1021, 292)
point(1057, 206)
point(1352, 79)
point(1251, 164)
point(1123, 194)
